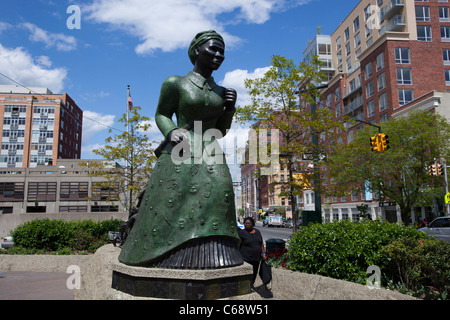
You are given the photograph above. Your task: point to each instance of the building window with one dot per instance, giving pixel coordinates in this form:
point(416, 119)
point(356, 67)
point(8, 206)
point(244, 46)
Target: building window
point(445, 34)
point(369, 89)
point(104, 191)
point(381, 81)
point(337, 94)
point(73, 190)
point(347, 34)
point(349, 65)
point(380, 61)
point(447, 77)
point(368, 70)
point(104, 209)
point(11, 191)
point(42, 191)
point(405, 96)
point(404, 76)
point(402, 56)
point(443, 14)
point(383, 101)
point(422, 13)
point(356, 24)
point(72, 208)
point(446, 56)
point(424, 33)
point(370, 108)
point(357, 40)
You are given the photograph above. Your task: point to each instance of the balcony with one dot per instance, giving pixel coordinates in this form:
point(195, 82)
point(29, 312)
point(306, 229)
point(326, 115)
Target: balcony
point(396, 24)
point(355, 104)
point(393, 7)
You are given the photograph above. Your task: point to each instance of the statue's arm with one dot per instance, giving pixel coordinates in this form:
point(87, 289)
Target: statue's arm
point(167, 105)
point(225, 121)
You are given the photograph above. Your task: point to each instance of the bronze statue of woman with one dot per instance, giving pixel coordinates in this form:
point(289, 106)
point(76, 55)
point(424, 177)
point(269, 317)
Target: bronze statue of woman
point(187, 216)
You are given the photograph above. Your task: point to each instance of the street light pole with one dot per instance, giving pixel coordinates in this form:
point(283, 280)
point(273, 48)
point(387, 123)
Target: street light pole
point(316, 184)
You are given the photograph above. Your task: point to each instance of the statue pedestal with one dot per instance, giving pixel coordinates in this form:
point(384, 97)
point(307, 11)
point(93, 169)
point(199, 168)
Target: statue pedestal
point(183, 284)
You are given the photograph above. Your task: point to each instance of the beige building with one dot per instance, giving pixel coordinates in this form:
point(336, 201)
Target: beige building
point(64, 191)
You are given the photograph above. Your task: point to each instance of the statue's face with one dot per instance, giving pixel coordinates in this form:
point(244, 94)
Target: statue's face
point(211, 54)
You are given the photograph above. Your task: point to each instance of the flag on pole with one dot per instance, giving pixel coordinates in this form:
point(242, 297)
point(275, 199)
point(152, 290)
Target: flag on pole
point(130, 103)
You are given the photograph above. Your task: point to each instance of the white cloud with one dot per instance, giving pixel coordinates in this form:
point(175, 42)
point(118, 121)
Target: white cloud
point(235, 79)
point(58, 40)
point(4, 26)
point(44, 61)
point(171, 24)
point(19, 65)
point(93, 124)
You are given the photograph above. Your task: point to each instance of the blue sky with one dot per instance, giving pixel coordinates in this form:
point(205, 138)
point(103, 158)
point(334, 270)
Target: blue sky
point(142, 42)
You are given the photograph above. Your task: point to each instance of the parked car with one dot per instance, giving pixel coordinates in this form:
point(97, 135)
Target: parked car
point(275, 221)
point(439, 227)
point(7, 242)
point(288, 224)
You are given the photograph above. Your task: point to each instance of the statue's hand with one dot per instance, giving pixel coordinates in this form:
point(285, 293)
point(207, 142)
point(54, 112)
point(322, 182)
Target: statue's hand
point(230, 99)
point(176, 136)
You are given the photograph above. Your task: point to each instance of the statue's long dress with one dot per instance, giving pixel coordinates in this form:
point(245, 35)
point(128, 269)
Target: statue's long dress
point(187, 216)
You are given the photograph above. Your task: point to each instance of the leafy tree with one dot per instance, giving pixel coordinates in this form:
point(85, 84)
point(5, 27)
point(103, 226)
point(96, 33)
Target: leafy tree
point(280, 100)
point(399, 174)
point(133, 151)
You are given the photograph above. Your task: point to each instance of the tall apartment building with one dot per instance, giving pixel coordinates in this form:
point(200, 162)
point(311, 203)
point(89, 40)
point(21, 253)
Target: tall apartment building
point(38, 127)
point(261, 192)
point(387, 57)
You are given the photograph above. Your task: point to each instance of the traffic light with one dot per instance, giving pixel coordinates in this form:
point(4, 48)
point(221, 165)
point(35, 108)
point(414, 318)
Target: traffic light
point(435, 169)
point(375, 143)
point(439, 169)
point(384, 142)
point(432, 169)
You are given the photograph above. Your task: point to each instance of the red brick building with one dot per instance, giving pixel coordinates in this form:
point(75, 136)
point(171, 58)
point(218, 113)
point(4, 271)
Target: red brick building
point(386, 57)
point(38, 127)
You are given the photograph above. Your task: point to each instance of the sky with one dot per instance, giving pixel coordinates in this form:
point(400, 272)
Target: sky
point(94, 49)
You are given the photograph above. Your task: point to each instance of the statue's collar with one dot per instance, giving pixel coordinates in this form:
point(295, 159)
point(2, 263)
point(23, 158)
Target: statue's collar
point(200, 81)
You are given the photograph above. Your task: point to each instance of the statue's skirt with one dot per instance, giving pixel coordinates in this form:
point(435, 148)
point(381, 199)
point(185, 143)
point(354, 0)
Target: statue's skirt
point(186, 219)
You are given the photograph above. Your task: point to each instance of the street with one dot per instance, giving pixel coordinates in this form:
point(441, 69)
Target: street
point(276, 233)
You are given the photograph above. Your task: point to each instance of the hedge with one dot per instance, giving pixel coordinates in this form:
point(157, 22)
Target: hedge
point(53, 235)
point(344, 249)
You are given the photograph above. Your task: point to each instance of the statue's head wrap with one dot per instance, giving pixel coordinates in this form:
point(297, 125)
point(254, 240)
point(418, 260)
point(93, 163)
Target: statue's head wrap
point(200, 39)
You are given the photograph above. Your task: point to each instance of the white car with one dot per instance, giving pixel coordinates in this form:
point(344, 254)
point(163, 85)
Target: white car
point(7, 242)
point(439, 227)
point(275, 221)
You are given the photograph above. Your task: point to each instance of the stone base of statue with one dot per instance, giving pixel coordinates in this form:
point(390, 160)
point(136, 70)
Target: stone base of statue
point(183, 284)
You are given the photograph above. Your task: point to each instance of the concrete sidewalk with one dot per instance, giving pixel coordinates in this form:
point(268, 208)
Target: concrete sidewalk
point(21, 281)
point(26, 285)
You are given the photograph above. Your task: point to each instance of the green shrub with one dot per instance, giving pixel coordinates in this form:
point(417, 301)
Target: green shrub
point(418, 265)
point(53, 235)
point(344, 249)
point(43, 234)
